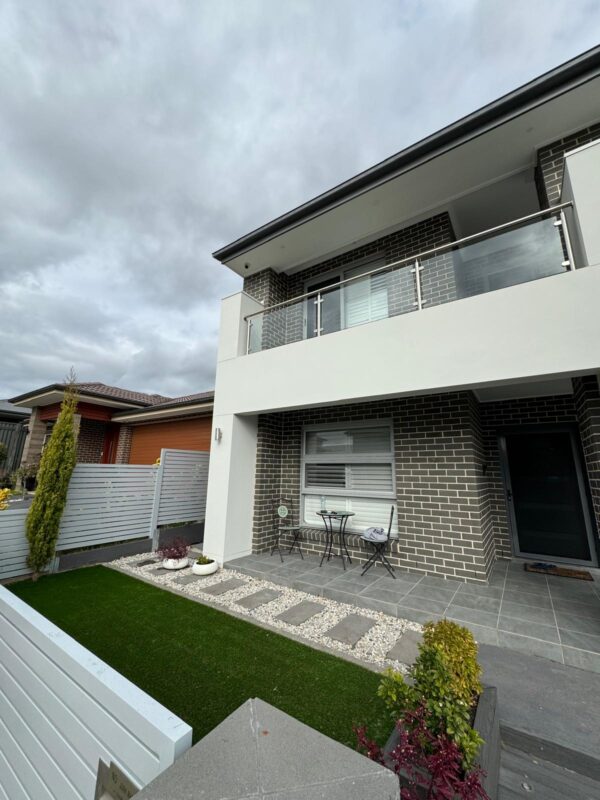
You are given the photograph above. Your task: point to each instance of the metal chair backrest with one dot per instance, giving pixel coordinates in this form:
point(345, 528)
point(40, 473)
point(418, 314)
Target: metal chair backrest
point(390, 525)
point(283, 510)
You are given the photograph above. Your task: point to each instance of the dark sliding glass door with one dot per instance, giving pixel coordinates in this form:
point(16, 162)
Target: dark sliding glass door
point(547, 501)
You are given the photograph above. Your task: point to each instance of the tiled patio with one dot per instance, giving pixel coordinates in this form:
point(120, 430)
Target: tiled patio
point(556, 618)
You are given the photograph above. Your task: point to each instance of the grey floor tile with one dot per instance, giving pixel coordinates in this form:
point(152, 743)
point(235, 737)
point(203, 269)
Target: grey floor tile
point(527, 586)
point(309, 588)
point(529, 613)
point(538, 600)
point(582, 659)
point(351, 629)
point(353, 582)
point(223, 586)
point(574, 622)
point(482, 634)
point(485, 618)
point(584, 641)
point(387, 595)
point(532, 647)
point(586, 596)
point(259, 598)
point(254, 573)
point(480, 591)
point(185, 579)
point(406, 648)
point(316, 577)
point(579, 609)
point(389, 608)
point(422, 604)
point(339, 595)
point(548, 633)
point(440, 582)
point(491, 604)
point(426, 592)
point(414, 615)
point(300, 613)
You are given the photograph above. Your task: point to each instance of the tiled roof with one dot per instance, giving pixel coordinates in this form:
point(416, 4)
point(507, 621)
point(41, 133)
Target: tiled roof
point(186, 399)
point(123, 394)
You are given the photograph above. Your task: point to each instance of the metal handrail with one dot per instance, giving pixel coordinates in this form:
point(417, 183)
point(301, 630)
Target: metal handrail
point(418, 256)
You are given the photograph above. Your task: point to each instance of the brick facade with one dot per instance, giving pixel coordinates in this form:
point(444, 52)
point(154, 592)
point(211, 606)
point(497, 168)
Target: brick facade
point(35, 438)
point(550, 164)
point(452, 515)
point(90, 441)
point(285, 325)
point(123, 445)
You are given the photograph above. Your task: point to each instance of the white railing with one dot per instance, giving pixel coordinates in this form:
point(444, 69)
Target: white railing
point(532, 247)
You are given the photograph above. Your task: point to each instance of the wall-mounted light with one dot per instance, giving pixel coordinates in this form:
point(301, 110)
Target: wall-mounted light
point(218, 434)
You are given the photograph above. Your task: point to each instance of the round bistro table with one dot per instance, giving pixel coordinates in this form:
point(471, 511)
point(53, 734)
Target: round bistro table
point(329, 519)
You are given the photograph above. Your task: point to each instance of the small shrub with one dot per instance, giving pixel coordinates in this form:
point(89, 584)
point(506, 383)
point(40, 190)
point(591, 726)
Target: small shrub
point(204, 560)
point(4, 495)
point(176, 549)
point(444, 680)
point(429, 766)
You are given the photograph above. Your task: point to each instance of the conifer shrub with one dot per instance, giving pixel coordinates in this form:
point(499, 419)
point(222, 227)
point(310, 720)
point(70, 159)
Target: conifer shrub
point(56, 467)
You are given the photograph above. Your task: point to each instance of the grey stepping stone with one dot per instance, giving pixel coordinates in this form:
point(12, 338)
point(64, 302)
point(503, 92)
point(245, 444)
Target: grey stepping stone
point(406, 648)
point(351, 629)
point(145, 562)
point(187, 579)
point(258, 598)
point(224, 586)
point(159, 569)
point(298, 614)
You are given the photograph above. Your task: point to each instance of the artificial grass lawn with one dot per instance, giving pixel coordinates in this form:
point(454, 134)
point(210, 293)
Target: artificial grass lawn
point(202, 663)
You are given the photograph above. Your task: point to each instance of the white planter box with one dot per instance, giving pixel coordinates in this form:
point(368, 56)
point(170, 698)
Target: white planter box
point(204, 569)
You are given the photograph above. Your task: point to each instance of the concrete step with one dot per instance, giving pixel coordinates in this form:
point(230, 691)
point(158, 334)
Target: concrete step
point(523, 775)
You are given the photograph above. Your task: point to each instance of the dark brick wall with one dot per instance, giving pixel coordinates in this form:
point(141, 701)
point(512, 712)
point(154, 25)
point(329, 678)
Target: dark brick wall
point(495, 418)
point(90, 441)
point(550, 165)
point(587, 406)
point(443, 517)
point(285, 325)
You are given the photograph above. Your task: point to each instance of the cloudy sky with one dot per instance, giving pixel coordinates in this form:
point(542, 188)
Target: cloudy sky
point(136, 137)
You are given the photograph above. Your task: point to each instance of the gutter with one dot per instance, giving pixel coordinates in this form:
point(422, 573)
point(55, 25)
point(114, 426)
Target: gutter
point(163, 413)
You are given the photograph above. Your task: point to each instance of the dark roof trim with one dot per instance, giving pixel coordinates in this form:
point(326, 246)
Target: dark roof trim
point(581, 68)
point(194, 400)
point(60, 387)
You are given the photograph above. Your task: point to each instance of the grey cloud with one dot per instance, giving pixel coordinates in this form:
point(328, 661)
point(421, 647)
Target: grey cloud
point(135, 138)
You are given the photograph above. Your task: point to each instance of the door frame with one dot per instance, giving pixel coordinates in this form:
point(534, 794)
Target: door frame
point(578, 458)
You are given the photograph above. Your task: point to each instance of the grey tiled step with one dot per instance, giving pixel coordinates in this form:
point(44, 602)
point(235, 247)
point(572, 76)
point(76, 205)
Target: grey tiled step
point(300, 613)
point(258, 598)
point(224, 586)
point(351, 629)
point(185, 579)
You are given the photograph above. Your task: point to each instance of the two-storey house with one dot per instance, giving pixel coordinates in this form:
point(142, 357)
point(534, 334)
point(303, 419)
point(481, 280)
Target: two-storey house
point(427, 335)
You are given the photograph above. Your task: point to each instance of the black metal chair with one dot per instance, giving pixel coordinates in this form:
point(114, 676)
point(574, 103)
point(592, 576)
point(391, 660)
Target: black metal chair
point(283, 512)
point(379, 550)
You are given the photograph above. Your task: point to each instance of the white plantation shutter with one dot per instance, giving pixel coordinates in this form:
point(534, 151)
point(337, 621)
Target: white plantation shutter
point(352, 467)
point(367, 299)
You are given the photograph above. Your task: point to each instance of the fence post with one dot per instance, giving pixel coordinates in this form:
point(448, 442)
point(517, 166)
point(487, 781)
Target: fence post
point(155, 505)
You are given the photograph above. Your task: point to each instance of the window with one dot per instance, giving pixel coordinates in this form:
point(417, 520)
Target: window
point(351, 304)
point(349, 468)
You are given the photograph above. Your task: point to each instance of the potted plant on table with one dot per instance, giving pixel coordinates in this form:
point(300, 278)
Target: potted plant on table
point(204, 566)
point(174, 554)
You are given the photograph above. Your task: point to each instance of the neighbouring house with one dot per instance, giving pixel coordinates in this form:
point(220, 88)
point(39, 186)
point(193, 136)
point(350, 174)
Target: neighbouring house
point(118, 425)
point(13, 432)
point(426, 335)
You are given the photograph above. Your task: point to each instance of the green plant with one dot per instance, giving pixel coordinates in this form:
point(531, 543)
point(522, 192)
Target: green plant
point(56, 466)
point(4, 495)
point(204, 560)
point(442, 681)
point(28, 470)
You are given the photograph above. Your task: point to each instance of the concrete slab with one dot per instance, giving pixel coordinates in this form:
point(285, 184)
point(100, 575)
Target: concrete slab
point(298, 614)
point(259, 752)
point(351, 629)
point(145, 562)
point(406, 648)
point(185, 579)
point(223, 586)
point(258, 598)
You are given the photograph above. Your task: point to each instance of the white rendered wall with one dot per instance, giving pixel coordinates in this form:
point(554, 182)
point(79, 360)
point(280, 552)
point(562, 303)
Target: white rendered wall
point(581, 184)
point(62, 709)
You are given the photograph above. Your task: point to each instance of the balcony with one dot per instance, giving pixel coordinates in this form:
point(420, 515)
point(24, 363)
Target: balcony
point(527, 249)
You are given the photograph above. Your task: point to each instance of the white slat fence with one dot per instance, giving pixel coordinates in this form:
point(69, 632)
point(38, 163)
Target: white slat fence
point(116, 502)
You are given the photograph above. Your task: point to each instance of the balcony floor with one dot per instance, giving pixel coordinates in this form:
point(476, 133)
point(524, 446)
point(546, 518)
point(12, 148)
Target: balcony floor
point(547, 616)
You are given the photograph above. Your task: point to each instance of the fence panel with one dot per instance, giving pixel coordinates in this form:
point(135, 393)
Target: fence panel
point(62, 709)
point(184, 485)
point(107, 503)
point(13, 544)
point(13, 435)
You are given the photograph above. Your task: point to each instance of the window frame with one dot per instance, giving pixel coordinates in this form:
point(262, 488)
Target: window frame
point(347, 459)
